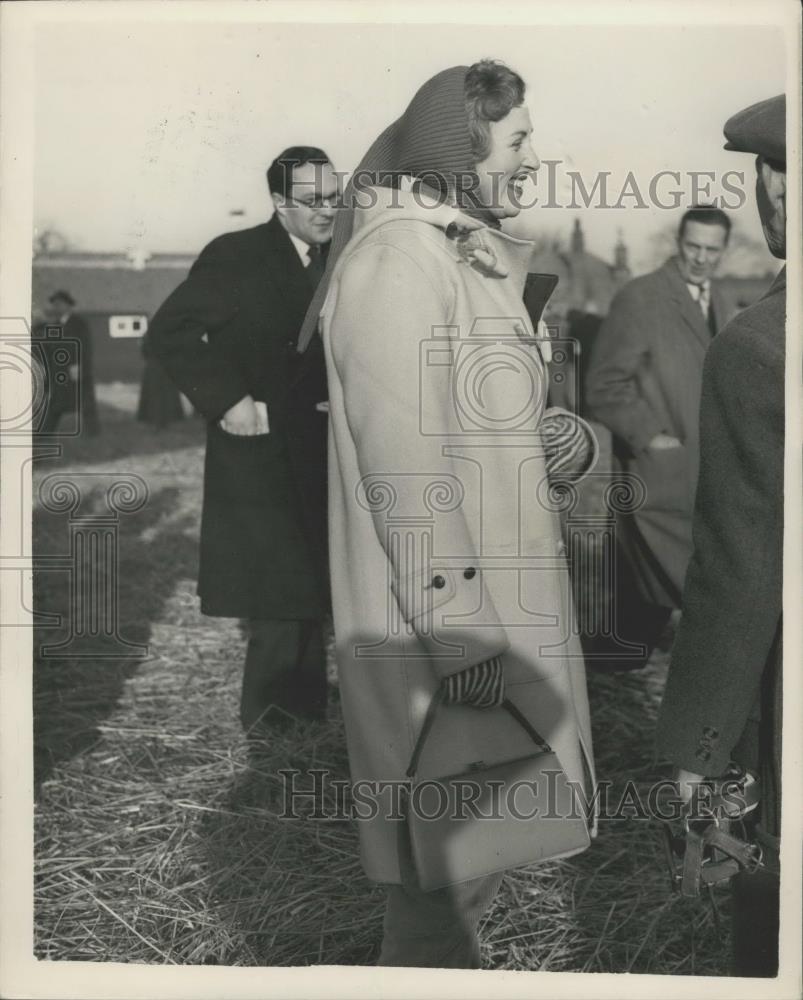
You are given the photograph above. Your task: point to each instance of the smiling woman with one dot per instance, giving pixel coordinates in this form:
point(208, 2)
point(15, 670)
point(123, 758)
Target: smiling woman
point(500, 129)
point(437, 451)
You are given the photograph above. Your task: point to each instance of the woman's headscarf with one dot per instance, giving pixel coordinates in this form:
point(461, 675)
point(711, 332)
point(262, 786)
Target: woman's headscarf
point(430, 139)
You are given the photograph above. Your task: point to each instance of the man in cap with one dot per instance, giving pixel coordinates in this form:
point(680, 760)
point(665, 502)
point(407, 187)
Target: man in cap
point(76, 392)
point(723, 694)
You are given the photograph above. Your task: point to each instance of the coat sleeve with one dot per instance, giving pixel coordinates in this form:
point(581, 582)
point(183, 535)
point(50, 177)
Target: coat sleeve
point(386, 307)
point(187, 335)
point(619, 355)
point(732, 597)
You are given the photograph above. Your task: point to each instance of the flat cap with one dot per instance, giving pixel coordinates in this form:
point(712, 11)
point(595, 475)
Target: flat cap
point(759, 129)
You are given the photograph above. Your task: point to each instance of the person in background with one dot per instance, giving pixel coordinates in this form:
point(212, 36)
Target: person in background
point(643, 383)
point(227, 337)
point(723, 694)
point(77, 393)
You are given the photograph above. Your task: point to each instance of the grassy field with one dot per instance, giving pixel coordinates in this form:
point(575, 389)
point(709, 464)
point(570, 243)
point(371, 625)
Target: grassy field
point(158, 842)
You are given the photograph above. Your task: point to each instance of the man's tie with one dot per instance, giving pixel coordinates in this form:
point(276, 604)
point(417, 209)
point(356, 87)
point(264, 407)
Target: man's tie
point(702, 295)
point(704, 299)
point(316, 266)
point(708, 312)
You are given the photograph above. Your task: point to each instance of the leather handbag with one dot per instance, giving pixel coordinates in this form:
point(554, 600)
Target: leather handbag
point(490, 818)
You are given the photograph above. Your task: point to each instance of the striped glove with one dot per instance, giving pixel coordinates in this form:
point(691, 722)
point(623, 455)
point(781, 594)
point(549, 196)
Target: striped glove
point(571, 447)
point(482, 686)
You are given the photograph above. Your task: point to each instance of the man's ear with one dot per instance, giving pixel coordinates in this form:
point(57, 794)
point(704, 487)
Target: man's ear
point(279, 203)
point(774, 183)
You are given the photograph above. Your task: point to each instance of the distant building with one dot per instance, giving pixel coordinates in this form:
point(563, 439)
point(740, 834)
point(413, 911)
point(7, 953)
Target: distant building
point(117, 294)
point(586, 282)
point(582, 298)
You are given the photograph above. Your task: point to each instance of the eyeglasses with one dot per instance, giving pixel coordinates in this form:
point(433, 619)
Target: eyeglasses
point(316, 204)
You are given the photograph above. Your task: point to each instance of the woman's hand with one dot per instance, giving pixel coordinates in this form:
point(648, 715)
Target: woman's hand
point(688, 783)
point(481, 686)
point(662, 442)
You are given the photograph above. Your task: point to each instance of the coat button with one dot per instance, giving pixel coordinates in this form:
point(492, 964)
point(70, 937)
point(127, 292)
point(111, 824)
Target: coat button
point(469, 573)
point(438, 582)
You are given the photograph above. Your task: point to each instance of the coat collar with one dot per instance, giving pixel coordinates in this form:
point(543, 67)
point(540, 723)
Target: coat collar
point(290, 277)
point(688, 308)
point(277, 245)
point(779, 284)
point(487, 249)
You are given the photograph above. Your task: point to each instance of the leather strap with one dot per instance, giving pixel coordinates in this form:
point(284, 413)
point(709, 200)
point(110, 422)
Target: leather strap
point(709, 852)
point(429, 720)
point(745, 854)
point(739, 855)
point(692, 864)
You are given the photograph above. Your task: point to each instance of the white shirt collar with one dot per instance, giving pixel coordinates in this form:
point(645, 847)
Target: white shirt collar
point(301, 248)
point(697, 290)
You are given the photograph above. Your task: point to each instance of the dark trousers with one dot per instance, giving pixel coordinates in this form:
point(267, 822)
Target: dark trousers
point(637, 625)
point(756, 897)
point(86, 420)
point(437, 929)
point(754, 924)
point(285, 671)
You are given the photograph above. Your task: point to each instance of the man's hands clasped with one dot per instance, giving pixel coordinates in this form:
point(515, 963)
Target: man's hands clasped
point(246, 418)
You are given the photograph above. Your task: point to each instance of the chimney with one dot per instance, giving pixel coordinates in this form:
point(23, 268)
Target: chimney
point(621, 267)
point(578, 243)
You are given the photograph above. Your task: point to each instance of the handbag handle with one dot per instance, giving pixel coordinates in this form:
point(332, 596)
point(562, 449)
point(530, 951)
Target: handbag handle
point(429, 719)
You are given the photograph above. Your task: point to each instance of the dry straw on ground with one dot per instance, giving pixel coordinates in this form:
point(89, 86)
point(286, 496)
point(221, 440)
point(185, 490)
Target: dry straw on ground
point(159, 841)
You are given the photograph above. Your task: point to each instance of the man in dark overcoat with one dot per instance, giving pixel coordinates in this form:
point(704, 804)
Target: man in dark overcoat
point(70, 389)
point(723, 694)
point(227, 337)
point(643, 383)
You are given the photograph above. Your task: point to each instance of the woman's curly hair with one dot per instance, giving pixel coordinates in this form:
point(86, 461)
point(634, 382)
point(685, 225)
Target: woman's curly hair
point(492, 91)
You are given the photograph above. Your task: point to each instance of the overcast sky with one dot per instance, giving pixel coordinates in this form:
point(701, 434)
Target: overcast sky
point(150, 135)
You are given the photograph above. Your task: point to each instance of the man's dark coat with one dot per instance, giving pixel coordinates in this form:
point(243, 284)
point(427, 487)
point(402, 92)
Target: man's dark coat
point(230, 330)
point(63, 394)
point(725, 662)
point(644, 379)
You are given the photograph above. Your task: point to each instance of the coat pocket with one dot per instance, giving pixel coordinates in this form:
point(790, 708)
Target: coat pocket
point(248, 468)
point(666, 476)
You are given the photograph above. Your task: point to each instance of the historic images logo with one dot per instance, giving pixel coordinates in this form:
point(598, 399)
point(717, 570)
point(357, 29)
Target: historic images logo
point(37, 373)
point(316, 795)
point(554, 185)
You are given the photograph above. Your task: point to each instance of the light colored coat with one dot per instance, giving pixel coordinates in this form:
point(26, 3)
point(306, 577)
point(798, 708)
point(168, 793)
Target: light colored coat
point(442, 554)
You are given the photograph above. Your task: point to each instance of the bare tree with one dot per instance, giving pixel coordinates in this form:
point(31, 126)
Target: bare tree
point(49, 240)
